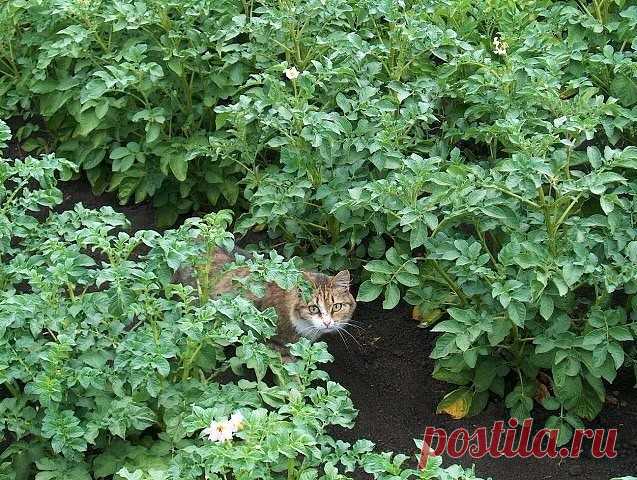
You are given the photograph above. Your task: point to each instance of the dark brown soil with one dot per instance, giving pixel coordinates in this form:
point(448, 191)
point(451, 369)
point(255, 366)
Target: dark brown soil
point(388, 372)
point(141, 216)
point(389, 377)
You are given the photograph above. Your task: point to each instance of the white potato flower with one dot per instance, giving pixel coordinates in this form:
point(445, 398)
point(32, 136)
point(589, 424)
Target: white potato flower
point(224, 430)
point(237, 421)
point(292, 73)
point(499, 47)
point(218, 431)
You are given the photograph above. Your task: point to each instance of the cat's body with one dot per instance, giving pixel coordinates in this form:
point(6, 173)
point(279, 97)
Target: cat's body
point(329, 309)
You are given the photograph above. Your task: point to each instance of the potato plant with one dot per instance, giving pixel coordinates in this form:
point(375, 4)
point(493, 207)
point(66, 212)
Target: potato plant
point(128, 91)
point(478, 157)
point(481, 154)
point(109, 370)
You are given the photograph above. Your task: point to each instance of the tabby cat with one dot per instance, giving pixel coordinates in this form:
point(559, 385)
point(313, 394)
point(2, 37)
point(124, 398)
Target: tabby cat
point(329, 308)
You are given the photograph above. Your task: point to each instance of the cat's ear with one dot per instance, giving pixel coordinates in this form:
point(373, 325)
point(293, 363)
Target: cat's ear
point(341, 279)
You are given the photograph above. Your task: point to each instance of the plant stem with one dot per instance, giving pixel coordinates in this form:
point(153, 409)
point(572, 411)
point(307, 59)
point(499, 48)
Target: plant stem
point(453, 285)
point(547, 220)
point(291, 475)
point(71, 289)
point(188, 363)
point(13, 390)
point(485, 246)
point(565, 213)
point(515, 195)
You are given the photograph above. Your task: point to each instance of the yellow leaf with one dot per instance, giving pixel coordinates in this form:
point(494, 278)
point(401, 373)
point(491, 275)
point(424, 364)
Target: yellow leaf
point(425, 318)
point(456, 403)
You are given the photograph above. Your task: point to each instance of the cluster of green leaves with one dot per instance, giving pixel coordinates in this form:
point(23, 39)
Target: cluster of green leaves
point(494, 190)
point(128, 91)
point(110, 370)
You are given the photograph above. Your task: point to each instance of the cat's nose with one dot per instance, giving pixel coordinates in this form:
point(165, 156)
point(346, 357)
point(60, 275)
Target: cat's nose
point(328, 322)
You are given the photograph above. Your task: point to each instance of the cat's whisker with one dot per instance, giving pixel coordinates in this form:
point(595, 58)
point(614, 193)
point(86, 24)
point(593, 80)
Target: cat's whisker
point(296, 316)
point(351, 336)
point(343, 338)
point(353, 325)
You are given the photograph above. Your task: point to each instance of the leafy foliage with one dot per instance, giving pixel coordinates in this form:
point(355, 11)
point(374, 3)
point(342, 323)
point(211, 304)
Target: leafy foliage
point(128, 90)
point(109, 370)
point(476, 156)
point(492, 189)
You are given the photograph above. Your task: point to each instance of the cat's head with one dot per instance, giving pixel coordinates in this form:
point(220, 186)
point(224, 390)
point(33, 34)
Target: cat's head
point(331, 305)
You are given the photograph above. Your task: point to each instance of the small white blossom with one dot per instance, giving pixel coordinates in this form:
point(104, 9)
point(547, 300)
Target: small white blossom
point(224, 430)
point(218, 431)
point(236, 420)
point(292, 73)
point(499, 47)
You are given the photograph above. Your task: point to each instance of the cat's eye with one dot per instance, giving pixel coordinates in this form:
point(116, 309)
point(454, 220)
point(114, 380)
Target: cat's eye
point(313, 309)
point(336, 307)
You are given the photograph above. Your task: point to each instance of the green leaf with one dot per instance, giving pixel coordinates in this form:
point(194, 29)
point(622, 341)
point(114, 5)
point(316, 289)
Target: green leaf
point(501, 329)
point(517, 313)
point(589, 404)
point(485, 374)
point(462, 377)
point(565, 430)
point(376, 247)
point(519, 402)
point(5, 134)
point(392, 296)
point(550, 403)
point(567, 388)
point(572, 273)
point(561, 286)
point(379, 266)
point(625, 89)
point(445, 344)
point(176, 66)
point(92, 90)
point(627, 158)
point(119, 152)
point(179, 166)
point(620, 333)
point(546, 307)
point(407, 279)
point(417, 235)
point(368, 291)
point(393, 257)
point(470, 357)
point(152, 132)
point(87, 122)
